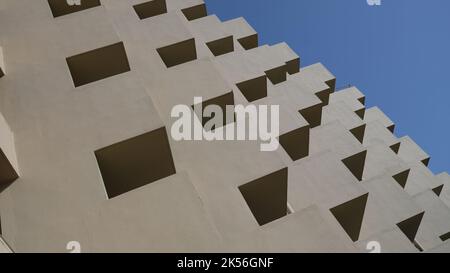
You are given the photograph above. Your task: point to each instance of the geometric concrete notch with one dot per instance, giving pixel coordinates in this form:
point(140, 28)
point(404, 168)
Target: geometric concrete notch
point(249, 42)
point(438, 189)
point(395, 147)
point(411, 225)
point(267, 196)
point(355, 164)
point(195, 12)
point(61, 7)
point(350, 215)
point(150, 8)
point(98, 64)
point(178, 53)
point(221, 46)
point(313, 115)
point(361, 113)
point(293, 66)
point(296, 143)
point(277, 75)
point(358, 132)
point(7, 173)
point(254, 89)
point(135, 162)
point(402, 178)
point(426, 161)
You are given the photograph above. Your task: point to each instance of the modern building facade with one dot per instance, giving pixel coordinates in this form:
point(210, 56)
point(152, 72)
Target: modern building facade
point(86, 93)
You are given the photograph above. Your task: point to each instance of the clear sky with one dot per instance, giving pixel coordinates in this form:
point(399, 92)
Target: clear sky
point(398, 54)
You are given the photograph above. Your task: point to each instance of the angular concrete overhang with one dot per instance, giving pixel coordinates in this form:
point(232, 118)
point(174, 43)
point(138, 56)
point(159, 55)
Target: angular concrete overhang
point(376, 132)
point(410, 152)
point(244, 34)
point(315, 83)
point(352, 98)
point(374, 113)
point(213, 39)
point(320, 72)
point(321, 179)
point(294, 130)
point(340, 111)
point(302, 99)
point(387, 205)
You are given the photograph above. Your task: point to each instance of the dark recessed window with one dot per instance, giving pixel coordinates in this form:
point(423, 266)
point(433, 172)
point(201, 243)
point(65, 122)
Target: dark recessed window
point(98, 64)
point(195, 12)
point(267, 196)
point(135, 162)
point(62, 7)
point(178, 53)
point(150, 8)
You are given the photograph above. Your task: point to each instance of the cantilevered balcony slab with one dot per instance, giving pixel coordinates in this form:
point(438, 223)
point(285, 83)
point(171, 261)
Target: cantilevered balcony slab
point(381, 160)
point(252, 64)
point(321, 179)
point(314, 83)
point(321, 73)
point(387, 205)
point(285, 53)
point(376, 132)
point(420, 179)
point(340, 111)
point(335, 137)
point(302, 99)
point(374, 113)
point(348, 94)
point(294, 130)
point(211, 36)
point(410, 152)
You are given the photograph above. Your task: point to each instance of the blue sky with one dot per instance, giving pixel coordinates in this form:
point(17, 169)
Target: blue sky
point(398, 54)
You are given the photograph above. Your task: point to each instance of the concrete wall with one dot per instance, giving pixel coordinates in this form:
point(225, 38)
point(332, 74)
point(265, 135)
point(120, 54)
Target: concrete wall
point(340, 176)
